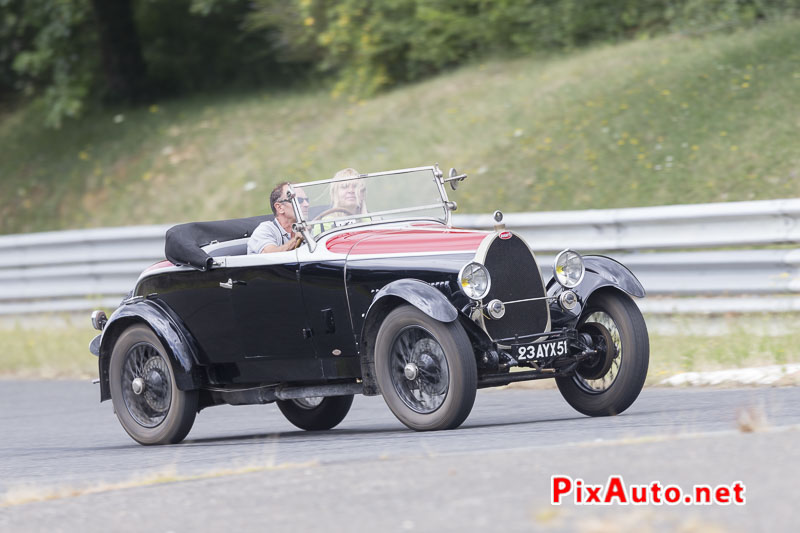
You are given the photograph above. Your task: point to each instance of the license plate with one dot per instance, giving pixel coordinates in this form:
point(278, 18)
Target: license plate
point(540, 350)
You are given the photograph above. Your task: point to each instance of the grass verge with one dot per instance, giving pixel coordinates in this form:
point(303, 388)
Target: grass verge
point(672, 355)
point(56, 352)
point(62, 351)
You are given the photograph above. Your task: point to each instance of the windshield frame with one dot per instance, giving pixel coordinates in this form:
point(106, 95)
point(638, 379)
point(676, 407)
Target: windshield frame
point(302, 225)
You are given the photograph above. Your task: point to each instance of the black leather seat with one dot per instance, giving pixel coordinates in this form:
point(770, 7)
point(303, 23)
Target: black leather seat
point(228, 248)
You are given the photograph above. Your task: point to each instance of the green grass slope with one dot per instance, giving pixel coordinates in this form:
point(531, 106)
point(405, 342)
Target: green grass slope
point(671, 120)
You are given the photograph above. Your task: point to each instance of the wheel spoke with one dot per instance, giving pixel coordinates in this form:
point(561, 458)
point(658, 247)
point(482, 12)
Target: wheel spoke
point(604, 382)
point(399, 361)
point(407, 344)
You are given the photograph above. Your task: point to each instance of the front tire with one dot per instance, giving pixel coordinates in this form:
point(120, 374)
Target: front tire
point(620, 385)
point(316, 414)
point(425, 369)
point(146, 399)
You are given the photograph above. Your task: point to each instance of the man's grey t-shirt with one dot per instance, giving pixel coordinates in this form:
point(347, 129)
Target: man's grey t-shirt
point(269, 232)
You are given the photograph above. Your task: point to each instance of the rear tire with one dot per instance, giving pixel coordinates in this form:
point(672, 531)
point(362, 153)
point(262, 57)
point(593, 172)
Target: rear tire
point(614, 392)
point(159, 413)
point(325, 415)
point(425, 369)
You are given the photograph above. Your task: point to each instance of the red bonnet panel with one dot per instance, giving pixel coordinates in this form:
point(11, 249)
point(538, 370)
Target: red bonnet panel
point(405, 241)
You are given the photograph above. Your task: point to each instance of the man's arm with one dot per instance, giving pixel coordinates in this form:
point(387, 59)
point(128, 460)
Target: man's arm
point(264, 235)
point(293, 243)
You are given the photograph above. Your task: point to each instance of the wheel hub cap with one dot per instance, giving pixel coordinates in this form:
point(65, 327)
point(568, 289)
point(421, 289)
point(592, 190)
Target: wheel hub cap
point(154, 379)
point(137, 385)
point(598, 336)
point(411, 371)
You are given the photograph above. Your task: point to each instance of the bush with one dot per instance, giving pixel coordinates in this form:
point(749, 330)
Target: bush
point(191, 45)
point(52, 51)
point(47, 47)
point(371, 46)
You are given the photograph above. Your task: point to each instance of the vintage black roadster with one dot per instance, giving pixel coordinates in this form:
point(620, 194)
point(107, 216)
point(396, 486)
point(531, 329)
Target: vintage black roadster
point(389, 300)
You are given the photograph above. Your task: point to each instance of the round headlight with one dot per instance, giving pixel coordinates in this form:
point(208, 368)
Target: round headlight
point(474, 280)
point(568, 269)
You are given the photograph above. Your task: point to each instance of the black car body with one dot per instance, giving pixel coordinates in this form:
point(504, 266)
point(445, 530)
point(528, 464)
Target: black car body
point(393, 301)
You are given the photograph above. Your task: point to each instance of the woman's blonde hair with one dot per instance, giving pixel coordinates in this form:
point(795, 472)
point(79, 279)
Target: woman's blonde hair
point(345, 175)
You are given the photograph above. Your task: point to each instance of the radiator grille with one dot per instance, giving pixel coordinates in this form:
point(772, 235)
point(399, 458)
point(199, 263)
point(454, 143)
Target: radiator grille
point(515, 276)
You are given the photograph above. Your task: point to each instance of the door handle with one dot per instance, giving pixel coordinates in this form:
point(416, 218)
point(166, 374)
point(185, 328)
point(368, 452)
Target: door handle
point(230, 283)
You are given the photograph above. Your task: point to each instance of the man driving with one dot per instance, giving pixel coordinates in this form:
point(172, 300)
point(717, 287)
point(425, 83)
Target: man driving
point(276, 235)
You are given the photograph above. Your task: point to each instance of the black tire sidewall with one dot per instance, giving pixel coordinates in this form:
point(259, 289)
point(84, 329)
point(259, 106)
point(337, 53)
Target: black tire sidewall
point(460, 360)
point(633, 367)
point(327, 415)
point(183, 405)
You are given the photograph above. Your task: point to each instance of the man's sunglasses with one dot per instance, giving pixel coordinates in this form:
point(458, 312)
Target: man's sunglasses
point(300, 200)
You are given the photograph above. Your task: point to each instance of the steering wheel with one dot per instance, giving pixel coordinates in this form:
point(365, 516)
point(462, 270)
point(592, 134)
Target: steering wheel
point(331, 211)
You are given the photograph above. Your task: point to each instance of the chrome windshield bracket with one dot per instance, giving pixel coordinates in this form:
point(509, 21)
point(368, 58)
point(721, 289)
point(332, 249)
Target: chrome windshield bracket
point(301, 226)
point(302, 229)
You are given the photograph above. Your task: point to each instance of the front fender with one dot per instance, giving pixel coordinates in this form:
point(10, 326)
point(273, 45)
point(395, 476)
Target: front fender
point(421, 295)
point(601, 271)
point(181, 347)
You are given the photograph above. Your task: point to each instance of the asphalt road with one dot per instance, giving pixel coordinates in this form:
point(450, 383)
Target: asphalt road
point(245, 466)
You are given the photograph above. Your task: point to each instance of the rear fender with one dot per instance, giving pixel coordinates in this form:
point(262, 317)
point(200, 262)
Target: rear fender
point(181, 347)
point(421, 295)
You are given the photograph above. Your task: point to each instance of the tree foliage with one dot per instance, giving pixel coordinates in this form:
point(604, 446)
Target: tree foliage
point(62, 52)
point(374, 45)
point(47, 49)
point(65, 53)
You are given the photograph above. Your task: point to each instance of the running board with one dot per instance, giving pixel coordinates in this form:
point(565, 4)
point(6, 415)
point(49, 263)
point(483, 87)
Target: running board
point(270, 393)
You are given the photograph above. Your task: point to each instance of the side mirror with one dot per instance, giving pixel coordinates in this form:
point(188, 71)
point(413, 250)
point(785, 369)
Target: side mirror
point(453, 177)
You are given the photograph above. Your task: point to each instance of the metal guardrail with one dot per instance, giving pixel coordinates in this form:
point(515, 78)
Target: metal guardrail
point(79, 270)
point(656, 228)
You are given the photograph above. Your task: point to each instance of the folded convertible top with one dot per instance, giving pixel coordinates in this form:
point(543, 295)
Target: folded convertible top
point(185, 241)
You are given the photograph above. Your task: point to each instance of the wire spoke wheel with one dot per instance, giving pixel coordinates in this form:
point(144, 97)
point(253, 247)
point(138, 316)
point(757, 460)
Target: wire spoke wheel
point(607, 380)
point(420, 373)
point(603, 387)
point(425, 369)
point(146, 385)
point(147, 401)
point(316, 413)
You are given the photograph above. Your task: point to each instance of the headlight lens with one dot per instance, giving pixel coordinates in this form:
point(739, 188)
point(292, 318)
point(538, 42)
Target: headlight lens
point(474, 280)
point(568, 269)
